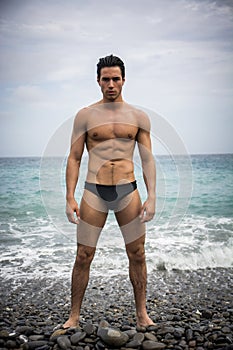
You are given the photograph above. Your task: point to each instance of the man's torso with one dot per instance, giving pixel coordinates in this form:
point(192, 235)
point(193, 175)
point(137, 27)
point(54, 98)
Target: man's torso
point(111, 134)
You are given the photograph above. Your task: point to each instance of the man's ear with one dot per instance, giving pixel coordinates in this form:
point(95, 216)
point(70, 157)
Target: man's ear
point(98, 80)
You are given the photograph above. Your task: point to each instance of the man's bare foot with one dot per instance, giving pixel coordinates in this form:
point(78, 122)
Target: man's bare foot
point(71, 323)
point(145, 321)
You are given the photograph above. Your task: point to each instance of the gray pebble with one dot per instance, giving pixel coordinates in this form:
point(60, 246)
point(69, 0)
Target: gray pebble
point(151, 345)
point(89, 328)
point(189, 334)
point(139, 337)
point(150, 336)
point(141, 329)
point(77, 337)
point(4, 333)
point(31, 345)
point(26, 330)
point(113, 337)
point(130, 333)
point(152, 328)
point(64, 342)
point(185, 318)
point(133, 344)
point(11, 344)
point(36, 337)
point(166, 329)
point(23, 339)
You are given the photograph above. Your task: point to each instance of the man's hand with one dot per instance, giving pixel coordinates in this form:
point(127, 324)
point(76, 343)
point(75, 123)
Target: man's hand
point(147, 211)
point(71, 208)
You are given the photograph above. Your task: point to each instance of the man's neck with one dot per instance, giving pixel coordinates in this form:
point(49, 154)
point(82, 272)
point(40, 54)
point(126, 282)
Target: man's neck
point(113, 105)
point(118, 99)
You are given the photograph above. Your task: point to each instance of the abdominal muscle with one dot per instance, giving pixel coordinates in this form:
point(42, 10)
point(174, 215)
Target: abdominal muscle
point(111, 164)
point(113, 172)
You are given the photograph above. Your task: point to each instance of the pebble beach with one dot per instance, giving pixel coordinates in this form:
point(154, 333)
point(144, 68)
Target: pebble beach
point(191, 310)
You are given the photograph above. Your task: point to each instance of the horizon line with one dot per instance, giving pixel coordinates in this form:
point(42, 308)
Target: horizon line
point(156, 155)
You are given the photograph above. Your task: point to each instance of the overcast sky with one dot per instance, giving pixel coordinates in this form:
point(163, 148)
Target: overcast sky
point(178, 56)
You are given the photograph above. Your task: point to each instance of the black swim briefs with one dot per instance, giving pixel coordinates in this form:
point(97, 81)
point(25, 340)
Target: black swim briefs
point(111, 194)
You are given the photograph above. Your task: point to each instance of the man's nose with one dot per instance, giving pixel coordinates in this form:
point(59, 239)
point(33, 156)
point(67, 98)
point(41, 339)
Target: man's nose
point(110, 83)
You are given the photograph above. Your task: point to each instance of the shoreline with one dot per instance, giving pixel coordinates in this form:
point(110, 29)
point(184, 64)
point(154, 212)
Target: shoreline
point(191, 309)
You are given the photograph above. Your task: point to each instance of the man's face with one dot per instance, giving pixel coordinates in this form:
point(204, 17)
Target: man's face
point(111, 83)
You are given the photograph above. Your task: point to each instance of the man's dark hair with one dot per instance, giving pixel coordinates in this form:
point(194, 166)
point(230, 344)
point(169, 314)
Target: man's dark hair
point(110, 61)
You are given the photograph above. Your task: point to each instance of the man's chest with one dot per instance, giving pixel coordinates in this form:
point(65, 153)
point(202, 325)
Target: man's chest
point(107, 125)
point(112, 131)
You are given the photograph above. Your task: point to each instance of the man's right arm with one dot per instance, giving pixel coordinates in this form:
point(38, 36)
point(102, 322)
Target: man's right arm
point(73, 166)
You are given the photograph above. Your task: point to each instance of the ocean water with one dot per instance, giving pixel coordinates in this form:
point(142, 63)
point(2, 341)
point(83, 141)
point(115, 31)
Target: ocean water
point(193, 226)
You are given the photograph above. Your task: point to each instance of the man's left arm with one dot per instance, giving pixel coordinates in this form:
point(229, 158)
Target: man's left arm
point(149, 174)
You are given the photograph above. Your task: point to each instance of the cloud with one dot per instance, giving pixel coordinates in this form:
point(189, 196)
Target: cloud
point(28, 94)
point(41, 42)
point(176, 50)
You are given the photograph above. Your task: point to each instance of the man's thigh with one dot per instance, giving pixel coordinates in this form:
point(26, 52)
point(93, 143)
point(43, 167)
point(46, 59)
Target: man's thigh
point(93, 215)
point(128, 218)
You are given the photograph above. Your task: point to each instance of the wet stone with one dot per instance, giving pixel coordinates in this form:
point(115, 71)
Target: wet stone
point(45, 347)
point(207, 314)
point(26, 330)
point(226, 329)
point(4, 333)
point(64, 342)
point(151, 345)
point(189, 334)
point(186, 319)
point(150, 336)
point(178, 333)
point(192, 343)
point(113, 337)
point(166, 329)
point(36, 337)
point(126, 328)
point(130, 333)
point(100, 345)
point(133, 344)
point(89, 328)
point(103, 324)
point(183, 344)
point(168, 336)
point(139, 337)
point(31, 345)
point(77, 337)
point(57, 333)
point(141, 329)
point(23, 339)
point(11, 344)
point(89, 340)
point(152, 328)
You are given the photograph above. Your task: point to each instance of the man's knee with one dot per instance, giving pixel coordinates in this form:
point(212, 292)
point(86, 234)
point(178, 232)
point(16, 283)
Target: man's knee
point(85, 255)
point(136, 254)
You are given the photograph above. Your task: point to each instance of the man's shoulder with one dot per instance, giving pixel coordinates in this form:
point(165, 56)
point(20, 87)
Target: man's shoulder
point(83, 116)
point(84, 112)
point(95, 104)
point(143, 119)
point(86, 108)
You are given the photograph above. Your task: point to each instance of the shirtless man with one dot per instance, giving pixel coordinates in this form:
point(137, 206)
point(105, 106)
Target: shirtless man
point(110, 130)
